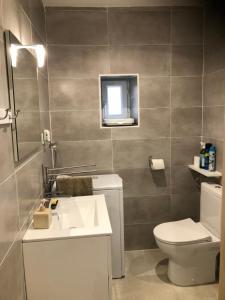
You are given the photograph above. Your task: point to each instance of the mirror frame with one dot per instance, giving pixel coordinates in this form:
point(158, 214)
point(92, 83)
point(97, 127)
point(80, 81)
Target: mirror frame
point(12, 107)
point(8, 35)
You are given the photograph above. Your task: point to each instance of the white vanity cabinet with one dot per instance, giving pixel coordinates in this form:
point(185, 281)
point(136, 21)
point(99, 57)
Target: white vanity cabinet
point(71, 263)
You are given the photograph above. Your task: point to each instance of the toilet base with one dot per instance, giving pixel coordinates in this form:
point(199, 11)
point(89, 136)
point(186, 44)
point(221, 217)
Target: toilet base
point(200, 268)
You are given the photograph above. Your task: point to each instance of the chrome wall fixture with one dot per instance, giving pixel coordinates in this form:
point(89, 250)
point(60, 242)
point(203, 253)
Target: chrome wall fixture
point(6, 116)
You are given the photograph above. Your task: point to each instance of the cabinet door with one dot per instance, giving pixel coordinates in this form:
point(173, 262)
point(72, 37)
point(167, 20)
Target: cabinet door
point(68, 269)
point(114, 207)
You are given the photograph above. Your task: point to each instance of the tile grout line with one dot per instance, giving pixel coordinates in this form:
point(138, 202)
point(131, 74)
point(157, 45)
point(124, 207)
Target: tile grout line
point(171, 59)
point(141, 76)
point(124, 45)
point(203, 71)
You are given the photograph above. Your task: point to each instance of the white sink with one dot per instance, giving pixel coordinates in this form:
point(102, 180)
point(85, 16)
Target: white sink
point(78, 212)
point(75, 216)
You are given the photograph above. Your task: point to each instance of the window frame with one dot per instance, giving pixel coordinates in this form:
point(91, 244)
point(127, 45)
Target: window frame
point(125, 110)
point(119, 76)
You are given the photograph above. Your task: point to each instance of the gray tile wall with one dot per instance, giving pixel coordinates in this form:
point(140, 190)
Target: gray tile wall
point(163, 45)
point(214, 77)
point(21, 187)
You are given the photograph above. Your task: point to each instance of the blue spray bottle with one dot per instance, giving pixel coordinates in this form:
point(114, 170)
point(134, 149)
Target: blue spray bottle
point(212, 158)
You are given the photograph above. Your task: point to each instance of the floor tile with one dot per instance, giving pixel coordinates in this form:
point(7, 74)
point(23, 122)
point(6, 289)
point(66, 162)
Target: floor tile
point(146, 279)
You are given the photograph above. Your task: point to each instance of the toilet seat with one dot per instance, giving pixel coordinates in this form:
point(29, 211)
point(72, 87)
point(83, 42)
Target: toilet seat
point(182, 232)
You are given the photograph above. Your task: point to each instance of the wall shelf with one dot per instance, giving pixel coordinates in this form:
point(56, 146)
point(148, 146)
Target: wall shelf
point(205, 172)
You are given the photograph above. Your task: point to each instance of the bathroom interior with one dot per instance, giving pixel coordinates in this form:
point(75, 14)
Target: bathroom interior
point(111, 149)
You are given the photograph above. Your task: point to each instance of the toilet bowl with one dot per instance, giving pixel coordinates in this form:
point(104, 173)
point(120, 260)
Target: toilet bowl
point(192, 247)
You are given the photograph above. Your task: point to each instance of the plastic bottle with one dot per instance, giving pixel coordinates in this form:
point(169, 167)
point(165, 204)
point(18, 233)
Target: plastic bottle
point(212, 158)
point(207, 147)
point(202, 156)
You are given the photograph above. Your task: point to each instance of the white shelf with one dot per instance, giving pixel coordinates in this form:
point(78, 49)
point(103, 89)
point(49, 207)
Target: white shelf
point(206, 172)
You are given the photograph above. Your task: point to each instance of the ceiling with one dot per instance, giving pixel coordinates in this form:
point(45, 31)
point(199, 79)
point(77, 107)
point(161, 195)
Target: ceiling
point(120, 3)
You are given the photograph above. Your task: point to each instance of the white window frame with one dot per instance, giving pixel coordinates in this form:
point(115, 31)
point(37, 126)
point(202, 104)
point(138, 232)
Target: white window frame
point(125, 110)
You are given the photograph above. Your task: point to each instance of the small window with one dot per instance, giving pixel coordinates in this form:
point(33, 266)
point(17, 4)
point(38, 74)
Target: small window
point(119, 100)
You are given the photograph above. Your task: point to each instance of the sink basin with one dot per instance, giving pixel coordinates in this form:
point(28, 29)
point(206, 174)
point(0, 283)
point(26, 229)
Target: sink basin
point(76, 213)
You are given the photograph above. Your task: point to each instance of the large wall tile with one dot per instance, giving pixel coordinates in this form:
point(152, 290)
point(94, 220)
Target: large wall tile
point(77, 61)
point(213, 122)
point(214, 37)
point(214, 22)
point(12, 275)
point(214, 57)
point(6, 153)
point(187, 60)
point(154, 123)
point(214, 88)
point(185, 205)
point(9, 215)
point(142, 210)
point(10, 17)
point(139, 26)
point(186, 122)
point(154, 92)
point(184, 149)
point(25, 5)
point(139, 236)
point(66, 94)
point(144, 182)
point(145, 60)
point(37, 15)
point(85, 153)
point(184, 180)
point(43, 92)
point(187, 26)
point(133, 154)
point(88, 26)
point(186, 91)
point(29, 185)
point(78, 125)
point(38, 39)
point(25, 28)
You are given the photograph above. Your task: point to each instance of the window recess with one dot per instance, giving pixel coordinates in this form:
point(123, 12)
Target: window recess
point(119, 100)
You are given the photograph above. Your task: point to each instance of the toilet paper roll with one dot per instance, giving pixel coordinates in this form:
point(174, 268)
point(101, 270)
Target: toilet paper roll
point(157, 164)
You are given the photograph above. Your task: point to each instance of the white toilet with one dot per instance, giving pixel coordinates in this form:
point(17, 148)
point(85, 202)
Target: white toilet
point(193, 247)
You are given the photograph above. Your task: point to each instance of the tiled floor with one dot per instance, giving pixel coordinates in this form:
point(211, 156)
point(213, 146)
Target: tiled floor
point(146, 279)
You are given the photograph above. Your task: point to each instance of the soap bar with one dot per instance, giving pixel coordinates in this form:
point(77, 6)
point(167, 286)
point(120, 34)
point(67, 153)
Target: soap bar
point(42, 219)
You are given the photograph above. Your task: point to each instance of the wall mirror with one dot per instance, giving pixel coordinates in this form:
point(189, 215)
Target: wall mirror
point(23, 99)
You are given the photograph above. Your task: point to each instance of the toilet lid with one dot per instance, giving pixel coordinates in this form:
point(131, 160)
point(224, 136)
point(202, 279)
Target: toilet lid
point(181, 232)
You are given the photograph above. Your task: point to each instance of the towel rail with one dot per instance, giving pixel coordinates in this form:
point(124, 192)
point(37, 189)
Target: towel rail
point(50, 175)
point(73, 173)
point(68, 168)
